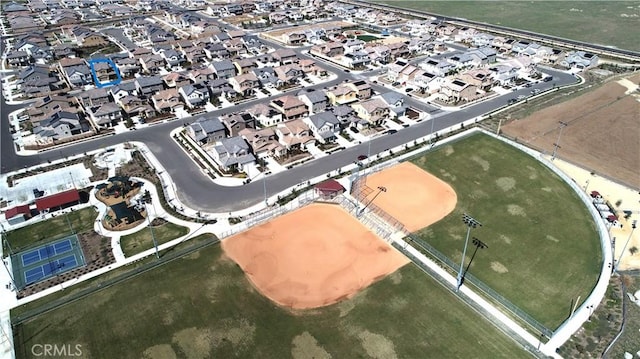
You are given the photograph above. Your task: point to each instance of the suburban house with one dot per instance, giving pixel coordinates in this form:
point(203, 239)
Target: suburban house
point(195, 95)
point(94, 97)
point(265, 115)
point(47, 104)
point(290, 107)
point(152, 63)
point(233, 154)
point(216, 51)
point(224, 69)
point(504, 74)
point(237, 121)
point(427, 82)
point(330, 49)
point(479, 78)
point(356, 59)
point(263, 142)
point(202, 74)
point(395, 102)
point(79, 75)
point(172, 57)
point(245, 84)
point(294, 38)
point(315, 100)
point(579, 60)
point(167, 101)
point(309, 67)
point(457, 90)
point(436, 67)
point(284, 56)
point(60, 125)
point(105, 115)
point(267, 77)
point(128, 67)
point(289, 74)
point(123, 89)
point(148, 85)
point(245, 65)
point(176, 79)
point(18, 58)
point(136, 106)
point(342, 94)
point(294, 135)
point(324, 126)
point(380, 54)
point(374, 111)
point(352, 45)
point(206, 130)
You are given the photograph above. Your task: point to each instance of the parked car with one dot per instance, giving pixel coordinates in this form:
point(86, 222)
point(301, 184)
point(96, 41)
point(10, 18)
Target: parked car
point(391, 132)
point(547, 79)
point(512, 101)
point(408, 90)
point(395, 84)
point(362, 158)
point(354, 130)
point(535, 91)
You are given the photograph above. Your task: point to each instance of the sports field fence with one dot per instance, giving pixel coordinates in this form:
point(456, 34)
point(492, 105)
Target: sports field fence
point(470, 278)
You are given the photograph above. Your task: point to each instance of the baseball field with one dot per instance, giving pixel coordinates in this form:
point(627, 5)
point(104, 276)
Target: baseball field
point(543, 249)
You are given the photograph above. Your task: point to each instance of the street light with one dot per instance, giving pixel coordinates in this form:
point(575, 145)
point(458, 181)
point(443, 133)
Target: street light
point(153, 237)
point(380, 190)
point(479, 245)
point(471, 223)
point(633, 227)
point(556, 145)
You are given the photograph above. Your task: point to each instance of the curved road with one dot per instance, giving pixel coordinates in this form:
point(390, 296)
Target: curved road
point(196, 189)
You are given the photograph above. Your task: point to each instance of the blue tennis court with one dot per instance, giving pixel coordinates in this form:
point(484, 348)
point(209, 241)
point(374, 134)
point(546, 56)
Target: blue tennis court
point(52, 268)
point(47, 261)
point(49, 250)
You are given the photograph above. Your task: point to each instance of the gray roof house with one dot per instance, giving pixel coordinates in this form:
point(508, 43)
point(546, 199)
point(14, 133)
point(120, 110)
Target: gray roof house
point(233, 154)
point(148, 85)
point(395, 102)
point(59, 126)
point(78, 75)
point(324, 125)
point(316, 100)
point(206, 130)
point(194, 95)
point(224, 69)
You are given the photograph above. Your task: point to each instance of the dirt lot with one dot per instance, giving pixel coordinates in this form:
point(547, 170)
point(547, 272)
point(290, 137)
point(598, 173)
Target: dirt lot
point(602, 133)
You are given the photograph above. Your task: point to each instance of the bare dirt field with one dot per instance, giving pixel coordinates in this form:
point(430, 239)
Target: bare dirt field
point(325, 25)
point(414, 197)
point(312, 257)
point(602, 133)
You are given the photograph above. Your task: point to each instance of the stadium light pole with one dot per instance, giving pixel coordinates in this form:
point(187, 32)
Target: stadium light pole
point(380, 190)
point(264, 185)
point(433, 121)
point(3, 234)
point(153, 237)
point(471, 223)
point(633, 227)
point(479, 245)
point(557, 144)
point(10, 274)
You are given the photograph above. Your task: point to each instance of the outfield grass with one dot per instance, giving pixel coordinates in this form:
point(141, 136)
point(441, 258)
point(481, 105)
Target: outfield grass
point(600, 22)
point(203, 306)
point(39, 232)
point(142, 240)
point(544, 250)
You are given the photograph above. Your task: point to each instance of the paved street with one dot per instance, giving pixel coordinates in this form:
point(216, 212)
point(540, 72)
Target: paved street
point(199, 192)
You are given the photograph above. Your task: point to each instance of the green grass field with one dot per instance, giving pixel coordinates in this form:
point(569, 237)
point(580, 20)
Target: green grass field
point(203, 306)
point(544, 250)
point(141, 240)
point(57, 227)
point(611, 23)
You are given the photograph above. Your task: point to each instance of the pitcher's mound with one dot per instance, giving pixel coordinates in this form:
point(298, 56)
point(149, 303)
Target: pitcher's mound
point(312, 257)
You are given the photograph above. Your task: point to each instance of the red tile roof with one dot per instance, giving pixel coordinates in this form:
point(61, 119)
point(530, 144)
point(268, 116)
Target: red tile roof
point(58, 199)
point(329, 186)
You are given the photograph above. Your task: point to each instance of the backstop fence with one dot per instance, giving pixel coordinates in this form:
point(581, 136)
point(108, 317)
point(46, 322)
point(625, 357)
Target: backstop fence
point(269, 213)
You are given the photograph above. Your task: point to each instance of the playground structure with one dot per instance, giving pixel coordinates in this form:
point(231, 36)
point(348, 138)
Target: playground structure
point(118, 193)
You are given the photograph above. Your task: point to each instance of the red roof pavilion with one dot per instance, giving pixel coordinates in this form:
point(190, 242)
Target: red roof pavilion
point(57, 200)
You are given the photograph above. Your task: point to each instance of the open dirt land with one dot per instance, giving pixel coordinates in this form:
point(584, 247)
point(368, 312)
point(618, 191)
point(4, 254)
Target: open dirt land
point(312, 257)
point(602, 133)
point(414, 197)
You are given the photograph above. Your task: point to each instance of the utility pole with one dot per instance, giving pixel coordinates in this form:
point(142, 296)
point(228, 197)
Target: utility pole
point(380, 190)
point(479, 245)
point(633, 227)
point(557, 143)
point(153, 237)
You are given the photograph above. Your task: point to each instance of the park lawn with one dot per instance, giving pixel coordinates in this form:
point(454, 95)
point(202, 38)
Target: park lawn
point(543, 247)
point(142, 240)
point(367, 38)
point(41, 232)
point(202, 305)
point(600, 22)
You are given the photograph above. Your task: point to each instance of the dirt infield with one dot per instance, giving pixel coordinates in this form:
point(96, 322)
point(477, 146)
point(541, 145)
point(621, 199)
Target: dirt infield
point(312, 257)
point(602, 133)
point(414, 197)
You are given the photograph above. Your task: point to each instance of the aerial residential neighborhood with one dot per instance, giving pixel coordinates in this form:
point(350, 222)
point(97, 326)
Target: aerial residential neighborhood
point(196, 124)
